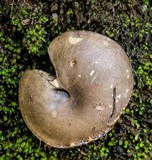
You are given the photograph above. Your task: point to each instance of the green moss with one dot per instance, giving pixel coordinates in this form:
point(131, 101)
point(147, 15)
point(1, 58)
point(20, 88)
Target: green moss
point(28, 27)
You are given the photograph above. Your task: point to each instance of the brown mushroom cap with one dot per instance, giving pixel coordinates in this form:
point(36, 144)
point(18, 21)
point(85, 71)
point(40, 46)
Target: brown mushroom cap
point(92, 87)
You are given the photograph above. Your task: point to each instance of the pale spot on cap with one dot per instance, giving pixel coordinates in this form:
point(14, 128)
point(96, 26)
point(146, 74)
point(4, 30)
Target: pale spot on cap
point(118, 98)
point(127, 90)
point(94, 78)
point(100, 107)
point(54, 114)
point(111, 86)
point(79, 75)
point(75, 40)
point(92, 72)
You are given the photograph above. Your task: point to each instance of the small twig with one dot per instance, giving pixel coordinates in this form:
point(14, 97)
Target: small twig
point(82, 152)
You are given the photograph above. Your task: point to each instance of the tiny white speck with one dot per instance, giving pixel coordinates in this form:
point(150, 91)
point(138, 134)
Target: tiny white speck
point(96, 62)
point(54, 114)
point(127, 70)
point(100, 108)
point(94, 78)
point(92, 72)
point(79, 75)
point(110, 106)
point(119, 96)
point(127, 90)
point(111, 86)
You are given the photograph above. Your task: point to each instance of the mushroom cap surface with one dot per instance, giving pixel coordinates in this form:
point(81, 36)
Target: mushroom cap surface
point(82, 102)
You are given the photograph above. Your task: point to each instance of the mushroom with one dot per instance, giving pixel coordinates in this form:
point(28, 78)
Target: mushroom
point(82, 102)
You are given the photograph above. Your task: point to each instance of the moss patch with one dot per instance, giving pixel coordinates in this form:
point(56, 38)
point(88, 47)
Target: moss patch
point(27, 28)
